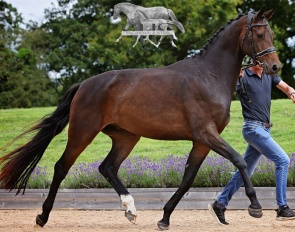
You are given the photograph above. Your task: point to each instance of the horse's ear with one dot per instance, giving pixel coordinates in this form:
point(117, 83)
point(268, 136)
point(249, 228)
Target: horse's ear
point(269, 14)
point(260, 13)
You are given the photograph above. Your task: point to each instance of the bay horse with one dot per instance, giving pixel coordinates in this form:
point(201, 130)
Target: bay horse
point(187, 100)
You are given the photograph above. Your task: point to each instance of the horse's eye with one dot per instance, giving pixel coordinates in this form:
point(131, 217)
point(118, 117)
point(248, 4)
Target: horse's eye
point(260, 36)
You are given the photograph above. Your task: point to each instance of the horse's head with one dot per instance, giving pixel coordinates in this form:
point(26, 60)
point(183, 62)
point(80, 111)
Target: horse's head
point(117, 12)
point(257, 41)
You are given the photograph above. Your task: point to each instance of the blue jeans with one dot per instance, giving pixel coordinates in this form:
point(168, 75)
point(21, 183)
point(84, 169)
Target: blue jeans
point(259, 142)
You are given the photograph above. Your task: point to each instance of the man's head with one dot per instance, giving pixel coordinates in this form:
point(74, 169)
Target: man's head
point(258, 68)
point(257, 64)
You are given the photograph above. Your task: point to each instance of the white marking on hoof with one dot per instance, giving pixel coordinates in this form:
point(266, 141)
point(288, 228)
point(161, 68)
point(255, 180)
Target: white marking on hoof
point(128, 201)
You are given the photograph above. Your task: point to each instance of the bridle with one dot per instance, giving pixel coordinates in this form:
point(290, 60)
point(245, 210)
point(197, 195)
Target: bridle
point(250, 37)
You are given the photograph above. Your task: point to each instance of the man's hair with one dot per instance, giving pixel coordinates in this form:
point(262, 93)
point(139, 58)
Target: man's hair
point(250, 61)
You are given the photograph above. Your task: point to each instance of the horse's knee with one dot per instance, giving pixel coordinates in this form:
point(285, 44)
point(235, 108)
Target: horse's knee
point(240, 163)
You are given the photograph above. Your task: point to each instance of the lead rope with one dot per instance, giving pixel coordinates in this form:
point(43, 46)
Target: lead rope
point(256, 62)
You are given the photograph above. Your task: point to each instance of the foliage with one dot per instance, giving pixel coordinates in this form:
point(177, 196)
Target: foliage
point(76, 40)
point(81, 37)
point(167, 172)
point(22, 82)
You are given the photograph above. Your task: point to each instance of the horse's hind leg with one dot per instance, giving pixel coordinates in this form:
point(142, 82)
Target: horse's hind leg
point(122, 144)
point(195, 159)
point(173, 36)
point(172, 42)
point(79, 137)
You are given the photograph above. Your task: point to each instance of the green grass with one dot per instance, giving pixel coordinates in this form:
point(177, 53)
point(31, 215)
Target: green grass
point(15, 121)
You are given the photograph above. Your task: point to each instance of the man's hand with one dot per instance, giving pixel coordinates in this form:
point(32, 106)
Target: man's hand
point(292, 97)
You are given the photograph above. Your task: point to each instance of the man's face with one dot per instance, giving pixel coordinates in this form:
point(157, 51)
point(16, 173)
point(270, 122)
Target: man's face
point(258, 64)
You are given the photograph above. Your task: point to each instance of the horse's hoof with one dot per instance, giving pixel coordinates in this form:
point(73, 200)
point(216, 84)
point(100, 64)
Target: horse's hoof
point(39, 221)
point(257, 213)
point(162, 225)
point(131, 217)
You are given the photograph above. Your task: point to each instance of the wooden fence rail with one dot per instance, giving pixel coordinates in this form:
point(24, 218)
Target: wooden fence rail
point(145, 198)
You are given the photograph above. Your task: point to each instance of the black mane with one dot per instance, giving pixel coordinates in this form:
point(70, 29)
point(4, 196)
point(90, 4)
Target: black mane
point(209, 41)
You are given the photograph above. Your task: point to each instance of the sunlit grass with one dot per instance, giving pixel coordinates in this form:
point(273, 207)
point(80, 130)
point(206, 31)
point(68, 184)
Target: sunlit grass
point(15, 121)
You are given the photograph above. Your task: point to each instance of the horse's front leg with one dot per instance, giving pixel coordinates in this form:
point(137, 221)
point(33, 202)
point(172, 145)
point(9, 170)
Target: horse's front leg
point(127, 26)
point(195, 159)
point(156, 45)
point(119, 38)
point(124, 29)
point(137, 39)
point(147, 38)
point(160, 41)
point(217, 144)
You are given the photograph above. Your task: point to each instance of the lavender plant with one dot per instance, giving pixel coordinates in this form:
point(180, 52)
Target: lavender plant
point(137, 172)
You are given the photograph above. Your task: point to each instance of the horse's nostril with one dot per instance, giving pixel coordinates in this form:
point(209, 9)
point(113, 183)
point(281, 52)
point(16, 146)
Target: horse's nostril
point(275, 68)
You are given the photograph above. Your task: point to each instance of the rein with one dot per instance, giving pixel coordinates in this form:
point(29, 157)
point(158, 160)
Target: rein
point(255, 62)
point(250, 37)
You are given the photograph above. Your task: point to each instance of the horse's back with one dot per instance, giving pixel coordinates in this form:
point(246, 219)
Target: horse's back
point(154, 102)
point(143, 84)
point(156, 12)
point(148, 102)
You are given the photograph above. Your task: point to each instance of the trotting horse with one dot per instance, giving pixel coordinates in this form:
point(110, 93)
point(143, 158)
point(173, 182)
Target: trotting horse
point(160, 25)
point(136, 14)
point(188, 100)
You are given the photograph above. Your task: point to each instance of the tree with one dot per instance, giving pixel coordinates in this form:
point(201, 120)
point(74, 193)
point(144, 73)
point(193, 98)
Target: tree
point(22, 82)
point(81, 38)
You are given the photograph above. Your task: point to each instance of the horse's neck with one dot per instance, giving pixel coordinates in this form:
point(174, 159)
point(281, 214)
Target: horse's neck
point(224, 55)
point(219, 64)
point(126, 9)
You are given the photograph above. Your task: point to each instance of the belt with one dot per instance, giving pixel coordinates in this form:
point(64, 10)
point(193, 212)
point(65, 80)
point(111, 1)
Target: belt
point(266, 124)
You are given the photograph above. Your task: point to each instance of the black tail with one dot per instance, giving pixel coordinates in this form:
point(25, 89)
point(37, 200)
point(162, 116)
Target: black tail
point(175, 20)
point(18, 165)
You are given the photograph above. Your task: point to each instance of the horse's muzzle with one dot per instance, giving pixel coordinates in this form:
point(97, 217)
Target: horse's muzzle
point(271, 69)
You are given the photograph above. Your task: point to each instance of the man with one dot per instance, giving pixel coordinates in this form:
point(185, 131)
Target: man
point(254, 90)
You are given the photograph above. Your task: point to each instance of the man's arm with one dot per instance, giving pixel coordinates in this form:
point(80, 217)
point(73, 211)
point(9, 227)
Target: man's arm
point(287, 90)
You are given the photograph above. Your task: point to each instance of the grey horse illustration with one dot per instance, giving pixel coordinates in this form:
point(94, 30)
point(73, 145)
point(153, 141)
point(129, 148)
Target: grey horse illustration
point(158, 25)
point(137, 16)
